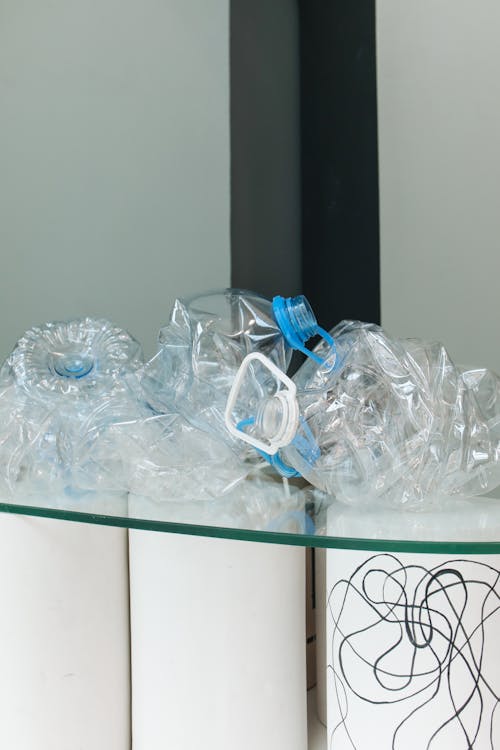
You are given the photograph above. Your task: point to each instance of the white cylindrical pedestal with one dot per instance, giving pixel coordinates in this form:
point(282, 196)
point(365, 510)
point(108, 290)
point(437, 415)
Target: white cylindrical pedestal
point(218, 644)
point(412, 646)
point(64, 636)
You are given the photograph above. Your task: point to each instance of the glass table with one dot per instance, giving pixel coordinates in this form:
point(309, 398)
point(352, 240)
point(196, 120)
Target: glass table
point(423, 585)
point(292, 515)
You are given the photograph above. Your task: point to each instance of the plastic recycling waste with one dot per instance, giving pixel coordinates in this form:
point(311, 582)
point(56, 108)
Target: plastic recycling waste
point(366, 417)
point(372, 418)
point(258, 499)
point(171, 460)
point(205, 343)
point(63, 397)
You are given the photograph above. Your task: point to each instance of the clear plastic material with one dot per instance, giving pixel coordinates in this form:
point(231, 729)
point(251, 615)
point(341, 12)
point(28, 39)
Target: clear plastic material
point(63, 402)
point(170, 460)
point(262, 501)
point(200, 352)
point(394, 421)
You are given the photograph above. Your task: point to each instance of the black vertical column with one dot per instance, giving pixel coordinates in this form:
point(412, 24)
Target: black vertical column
point(265, 146)
point(340, 212)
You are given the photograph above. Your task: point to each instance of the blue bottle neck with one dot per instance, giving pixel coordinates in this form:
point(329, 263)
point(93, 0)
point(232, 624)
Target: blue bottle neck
point(297, 322)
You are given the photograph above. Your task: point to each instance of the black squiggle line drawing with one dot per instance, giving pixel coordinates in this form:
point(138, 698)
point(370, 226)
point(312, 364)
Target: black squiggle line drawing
point(407, 636)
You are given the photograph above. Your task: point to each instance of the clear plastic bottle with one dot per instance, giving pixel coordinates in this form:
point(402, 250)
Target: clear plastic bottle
point(381, 419)
point(204, 344)
point(65, 393)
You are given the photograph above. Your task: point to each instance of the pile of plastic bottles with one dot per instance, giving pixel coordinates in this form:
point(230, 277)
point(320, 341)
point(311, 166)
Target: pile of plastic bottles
point(366, 418)
point(63, 397)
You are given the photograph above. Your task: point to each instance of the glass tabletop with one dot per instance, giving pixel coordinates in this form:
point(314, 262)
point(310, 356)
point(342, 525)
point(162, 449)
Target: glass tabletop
point(285, 514)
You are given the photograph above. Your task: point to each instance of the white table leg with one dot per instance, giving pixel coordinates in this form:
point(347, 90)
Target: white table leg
point(64, 636)
point(218, 644)
point(413, 651)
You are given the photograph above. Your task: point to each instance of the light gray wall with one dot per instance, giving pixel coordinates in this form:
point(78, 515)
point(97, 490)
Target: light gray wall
point(114, 159)
point(439, 150)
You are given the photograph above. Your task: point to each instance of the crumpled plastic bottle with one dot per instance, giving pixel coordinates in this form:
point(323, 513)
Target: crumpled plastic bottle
point(171, 461)
point(204, 344)
point(63, 396)
point(379, 420)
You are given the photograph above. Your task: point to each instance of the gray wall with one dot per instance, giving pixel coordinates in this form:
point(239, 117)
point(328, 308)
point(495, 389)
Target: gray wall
point(114, 159)
point(439, 150)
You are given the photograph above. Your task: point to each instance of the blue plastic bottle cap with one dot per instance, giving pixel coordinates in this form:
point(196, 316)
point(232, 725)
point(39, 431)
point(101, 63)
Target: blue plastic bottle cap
point(295, 318)
point(297, 322)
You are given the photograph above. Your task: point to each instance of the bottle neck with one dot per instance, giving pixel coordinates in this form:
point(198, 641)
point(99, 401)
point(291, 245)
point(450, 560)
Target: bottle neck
point(273, 418)
point(277, 415)
point(297, 322)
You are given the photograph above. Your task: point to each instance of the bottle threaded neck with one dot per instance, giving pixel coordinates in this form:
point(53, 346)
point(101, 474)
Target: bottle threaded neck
point(295, 318)
point(301, 317)
point(297, 323)
point(271, 417)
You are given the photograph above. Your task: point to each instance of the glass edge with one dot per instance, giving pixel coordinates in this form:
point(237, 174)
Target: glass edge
point(252, 535)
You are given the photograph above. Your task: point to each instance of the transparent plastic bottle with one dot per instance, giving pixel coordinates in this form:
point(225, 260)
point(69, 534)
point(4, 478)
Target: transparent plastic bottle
point(380, 419)
point(65, 394)
point(204, 344)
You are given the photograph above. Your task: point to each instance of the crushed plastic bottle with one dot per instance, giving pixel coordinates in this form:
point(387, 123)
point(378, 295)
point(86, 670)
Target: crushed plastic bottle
point(170, 460)
point(204, 344)
point(378, 420)
point(63, 396)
